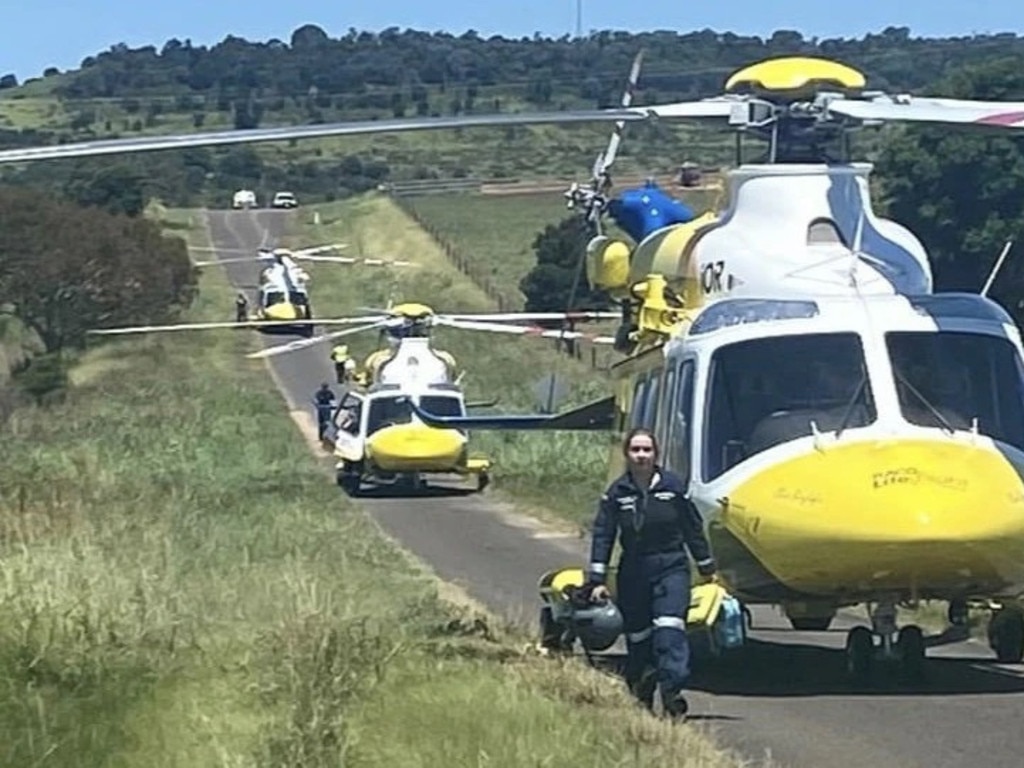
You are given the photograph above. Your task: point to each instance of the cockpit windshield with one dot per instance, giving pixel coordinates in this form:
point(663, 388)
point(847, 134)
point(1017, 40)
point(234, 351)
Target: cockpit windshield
point(946, 379)
point(441, 405)
point(385, 411)
point(767, 391)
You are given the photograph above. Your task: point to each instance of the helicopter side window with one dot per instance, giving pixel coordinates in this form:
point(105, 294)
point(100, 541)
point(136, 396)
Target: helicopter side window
point(677, 448)
point(385, 411)
point(348, 415)
point(639, 400)
point(946, 379)
point(651, 403)
point(663, 424)
point(767, 391)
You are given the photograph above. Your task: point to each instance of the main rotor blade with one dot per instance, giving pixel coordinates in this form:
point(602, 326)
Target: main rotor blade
point(282, 133)
point(1009, 114)
point(235, 260)
point(367, 262)
point(191, 327)
point(616, 138)
point(522, 330)
point(521, 316)
point(294, 346)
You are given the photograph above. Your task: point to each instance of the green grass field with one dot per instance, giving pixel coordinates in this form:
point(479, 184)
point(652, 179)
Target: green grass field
point(178, 589)
point(546, 472)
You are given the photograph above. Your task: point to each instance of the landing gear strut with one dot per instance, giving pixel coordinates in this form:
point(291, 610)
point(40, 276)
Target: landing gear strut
point(905, 646)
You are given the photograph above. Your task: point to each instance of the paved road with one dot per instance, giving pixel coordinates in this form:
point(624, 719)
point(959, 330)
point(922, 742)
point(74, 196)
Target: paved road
point(785, 697)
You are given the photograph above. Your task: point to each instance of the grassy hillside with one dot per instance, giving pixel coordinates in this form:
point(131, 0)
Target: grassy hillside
point(560, 472)
point(179, 590)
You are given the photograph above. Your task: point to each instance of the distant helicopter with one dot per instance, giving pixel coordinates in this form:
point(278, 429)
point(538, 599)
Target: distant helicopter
point(376, 436)
point(738, 330)
point(283, 302)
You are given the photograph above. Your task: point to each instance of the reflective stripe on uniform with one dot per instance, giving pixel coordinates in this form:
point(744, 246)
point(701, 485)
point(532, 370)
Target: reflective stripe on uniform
point(673, 622)
point(705, 563)
point(639, 637)
point(598, 568)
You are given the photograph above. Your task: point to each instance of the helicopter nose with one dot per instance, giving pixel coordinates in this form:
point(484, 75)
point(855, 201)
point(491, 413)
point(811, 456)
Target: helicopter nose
point(415, 447)
point(905, 515)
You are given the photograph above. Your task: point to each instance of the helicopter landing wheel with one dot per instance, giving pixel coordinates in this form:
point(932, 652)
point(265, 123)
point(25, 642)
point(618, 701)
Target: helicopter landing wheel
point(860, 653)
point(482, 481)
point(1006, 635)
point(910, 647)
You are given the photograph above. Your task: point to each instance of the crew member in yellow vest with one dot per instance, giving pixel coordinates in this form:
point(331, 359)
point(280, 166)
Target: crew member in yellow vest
point(343, 364)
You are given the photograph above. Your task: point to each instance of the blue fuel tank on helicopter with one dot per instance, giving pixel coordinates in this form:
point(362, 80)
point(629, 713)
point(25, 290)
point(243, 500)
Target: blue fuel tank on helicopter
point(645, 209)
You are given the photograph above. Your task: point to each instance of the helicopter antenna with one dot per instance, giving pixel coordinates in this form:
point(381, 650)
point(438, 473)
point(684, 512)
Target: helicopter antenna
point(855, 250)
point(996, 267)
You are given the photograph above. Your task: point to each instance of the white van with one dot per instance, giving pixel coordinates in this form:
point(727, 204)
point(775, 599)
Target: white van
point(244, 198)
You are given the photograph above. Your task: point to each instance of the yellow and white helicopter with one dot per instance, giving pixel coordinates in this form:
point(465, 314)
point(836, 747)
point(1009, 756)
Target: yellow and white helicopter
point(376, 436)
point(282, 300)
point(911, 488)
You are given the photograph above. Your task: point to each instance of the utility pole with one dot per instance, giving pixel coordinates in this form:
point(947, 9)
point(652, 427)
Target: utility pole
point(579, 19)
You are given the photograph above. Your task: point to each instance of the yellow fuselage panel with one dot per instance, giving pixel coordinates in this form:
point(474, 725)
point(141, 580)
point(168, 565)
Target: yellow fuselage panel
point(907, 515)
point(282, 311)
point(669, 252)
point(415, 448)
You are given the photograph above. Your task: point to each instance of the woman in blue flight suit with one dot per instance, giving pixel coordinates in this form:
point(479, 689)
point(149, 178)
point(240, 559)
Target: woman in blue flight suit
point(648, 510)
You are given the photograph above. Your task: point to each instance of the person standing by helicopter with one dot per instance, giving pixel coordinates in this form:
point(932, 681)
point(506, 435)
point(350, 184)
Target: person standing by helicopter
point(323, 398)
point(241, 308)
point(344, 365)
point(646, 508)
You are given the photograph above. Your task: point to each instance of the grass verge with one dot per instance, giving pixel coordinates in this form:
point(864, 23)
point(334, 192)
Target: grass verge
point(178, 589)
point(550, 474)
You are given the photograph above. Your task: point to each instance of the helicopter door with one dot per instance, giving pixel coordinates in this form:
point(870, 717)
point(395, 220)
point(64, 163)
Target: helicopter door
point(348, 420)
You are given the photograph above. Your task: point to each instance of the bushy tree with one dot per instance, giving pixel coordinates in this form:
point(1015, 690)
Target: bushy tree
point(65, 268)
point(561, 251)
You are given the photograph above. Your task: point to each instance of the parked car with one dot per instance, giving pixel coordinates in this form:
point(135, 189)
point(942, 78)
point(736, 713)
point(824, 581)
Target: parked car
point(284, 200)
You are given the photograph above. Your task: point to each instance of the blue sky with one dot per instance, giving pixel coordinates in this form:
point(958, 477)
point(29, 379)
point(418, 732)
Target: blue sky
point(41, 33)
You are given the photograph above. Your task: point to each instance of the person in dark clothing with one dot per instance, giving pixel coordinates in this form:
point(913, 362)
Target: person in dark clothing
point(324, 400)
point(241, 308)
point(647, 509)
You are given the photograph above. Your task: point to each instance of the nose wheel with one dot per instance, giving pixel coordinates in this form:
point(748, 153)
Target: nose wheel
point(868, 648)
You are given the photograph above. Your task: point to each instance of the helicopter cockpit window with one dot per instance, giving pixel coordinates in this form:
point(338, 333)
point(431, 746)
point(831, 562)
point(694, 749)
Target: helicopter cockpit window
point(946, 379)
point(385, 411)
point(295, 297)
point(767, 391)
point(273, 297)
point(441, 405)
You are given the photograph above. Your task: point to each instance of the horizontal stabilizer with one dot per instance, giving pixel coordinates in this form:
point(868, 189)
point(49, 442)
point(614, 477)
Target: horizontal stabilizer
point(594, 416)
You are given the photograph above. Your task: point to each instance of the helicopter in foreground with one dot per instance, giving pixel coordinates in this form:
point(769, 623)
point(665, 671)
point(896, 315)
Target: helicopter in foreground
point(850, 435)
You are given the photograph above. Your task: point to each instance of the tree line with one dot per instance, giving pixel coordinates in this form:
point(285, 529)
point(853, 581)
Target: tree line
point(66, 268)
point(312, 77)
